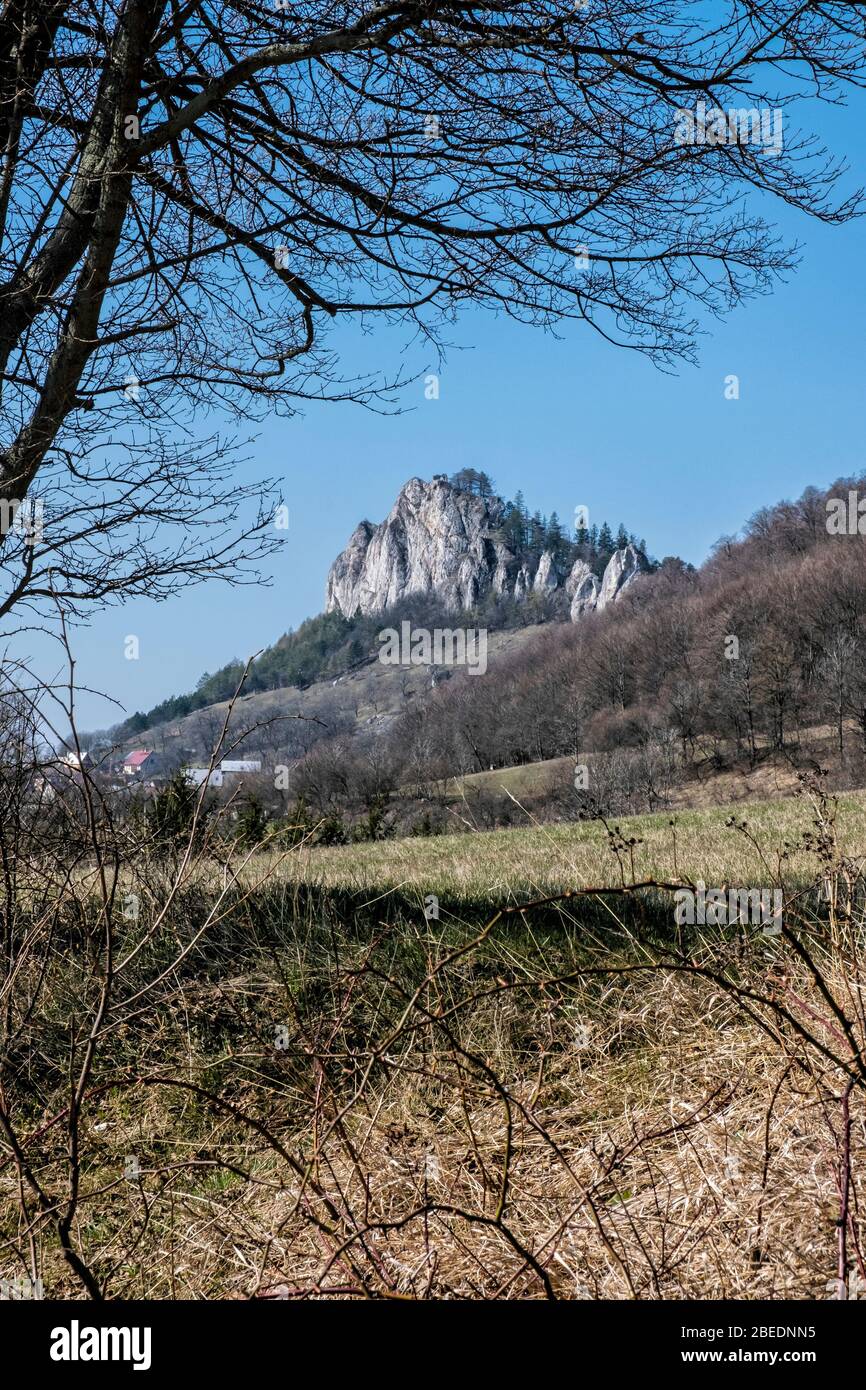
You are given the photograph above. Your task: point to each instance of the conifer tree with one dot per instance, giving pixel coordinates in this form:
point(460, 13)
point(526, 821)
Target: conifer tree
point(517, 524)
point(556, 542)
point(537, 533)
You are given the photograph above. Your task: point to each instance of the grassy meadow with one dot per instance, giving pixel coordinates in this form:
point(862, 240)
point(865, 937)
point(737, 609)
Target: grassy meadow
point(303, 1088)
point(499, 867)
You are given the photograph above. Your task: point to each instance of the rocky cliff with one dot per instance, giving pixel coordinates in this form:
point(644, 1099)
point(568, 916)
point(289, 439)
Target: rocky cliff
point(442, 541)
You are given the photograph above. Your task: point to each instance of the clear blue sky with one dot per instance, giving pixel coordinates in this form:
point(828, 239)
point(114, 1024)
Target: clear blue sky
point(569, 421)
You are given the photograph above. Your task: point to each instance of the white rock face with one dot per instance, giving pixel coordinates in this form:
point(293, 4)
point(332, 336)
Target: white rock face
point(623, 568)
point(351, 565)
point(522, 582)
point(442, 541)
point(582, 588)
point(547, 576)
point(435, 540)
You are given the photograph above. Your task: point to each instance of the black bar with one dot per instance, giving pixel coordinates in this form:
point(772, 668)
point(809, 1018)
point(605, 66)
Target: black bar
point(224, 1339)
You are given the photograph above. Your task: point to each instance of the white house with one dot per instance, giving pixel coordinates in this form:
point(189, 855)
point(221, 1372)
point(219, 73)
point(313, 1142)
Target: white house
point(72, 759)
point(199, 775)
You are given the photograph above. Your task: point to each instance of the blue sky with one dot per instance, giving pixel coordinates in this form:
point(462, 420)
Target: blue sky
point(569, 420)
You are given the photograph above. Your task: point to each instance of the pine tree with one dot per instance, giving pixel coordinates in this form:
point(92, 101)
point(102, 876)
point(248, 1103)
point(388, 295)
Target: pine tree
point(510, 529)
point(519, 523)
point(555, 541)
point(471, 480)
point(605, 539)
point(172, 813)
point(621, 537)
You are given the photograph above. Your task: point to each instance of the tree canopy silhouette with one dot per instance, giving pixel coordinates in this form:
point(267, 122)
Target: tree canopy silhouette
point(193, 194)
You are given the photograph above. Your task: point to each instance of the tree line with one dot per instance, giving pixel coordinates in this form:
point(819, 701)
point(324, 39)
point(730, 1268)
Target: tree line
point(759, 654)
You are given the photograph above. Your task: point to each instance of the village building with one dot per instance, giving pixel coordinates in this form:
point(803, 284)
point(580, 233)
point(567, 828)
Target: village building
point(243, 765)
point(140, 763)
point(198, 776)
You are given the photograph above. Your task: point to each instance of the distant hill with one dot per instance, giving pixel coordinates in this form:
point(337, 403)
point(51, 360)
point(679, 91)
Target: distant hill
point(737, 676)
point(446, 546)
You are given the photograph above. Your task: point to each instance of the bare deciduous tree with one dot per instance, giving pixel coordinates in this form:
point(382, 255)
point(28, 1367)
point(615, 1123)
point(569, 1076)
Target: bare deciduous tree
point(192, 194)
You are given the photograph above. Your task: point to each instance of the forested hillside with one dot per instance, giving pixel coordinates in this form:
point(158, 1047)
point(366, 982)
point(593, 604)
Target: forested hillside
point(330, 644)
point(741, 661)
point(759, 655)
point(765, 640)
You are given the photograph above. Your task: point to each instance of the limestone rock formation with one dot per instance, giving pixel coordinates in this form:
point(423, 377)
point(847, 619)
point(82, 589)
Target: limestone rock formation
point(443, 541)
point(547, 576)
point(623, 568)
point(581, 588)
point(435, 540)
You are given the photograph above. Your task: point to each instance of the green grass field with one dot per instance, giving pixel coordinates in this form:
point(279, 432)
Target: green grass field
point(503, 866)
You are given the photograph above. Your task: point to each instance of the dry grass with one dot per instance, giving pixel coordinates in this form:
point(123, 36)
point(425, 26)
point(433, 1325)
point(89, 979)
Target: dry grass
point(327, 1102)
point(671, 1154)
point(641, 1172)
point(502, 866)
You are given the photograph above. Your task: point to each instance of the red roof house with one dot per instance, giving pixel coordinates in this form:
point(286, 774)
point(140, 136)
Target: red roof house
point(140, 762)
